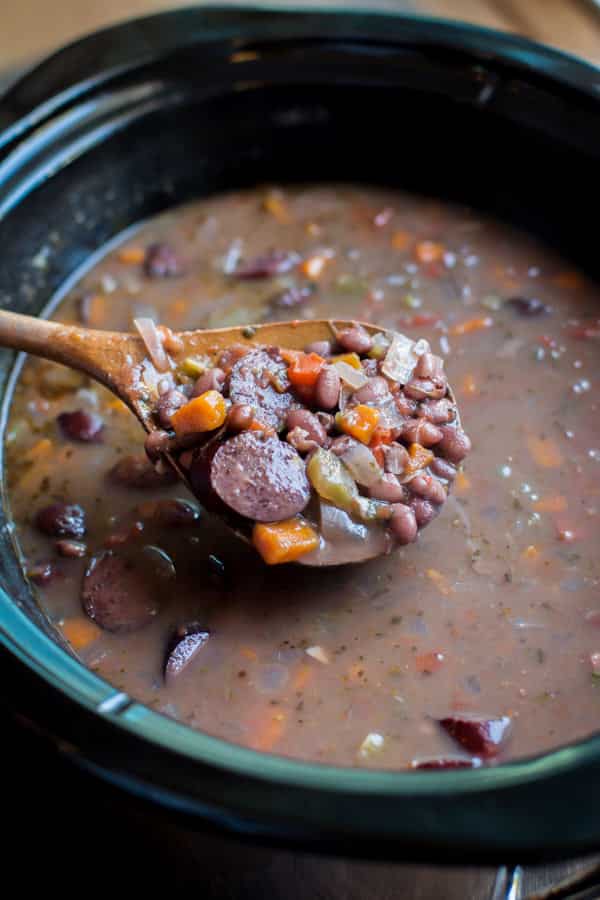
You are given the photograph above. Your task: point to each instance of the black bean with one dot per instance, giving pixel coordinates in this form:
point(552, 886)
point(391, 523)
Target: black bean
point(429, 366)
point(170, 513)
point(440, 412)
point(424, 511)
point(156, 443)
point(81, 426)
point(528, 306)
point(62, 520)
point(405, 405)
point(240, 417)
point(162, 261)
point(443, 469)
point(355, 340)
point(375, 391)
point(428, 487)
point(211, 380)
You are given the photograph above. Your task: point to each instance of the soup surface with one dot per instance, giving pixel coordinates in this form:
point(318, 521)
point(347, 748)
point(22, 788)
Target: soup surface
point(477, 644)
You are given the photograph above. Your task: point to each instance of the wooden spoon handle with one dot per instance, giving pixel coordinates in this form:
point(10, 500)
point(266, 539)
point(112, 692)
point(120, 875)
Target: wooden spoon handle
point(100, 354)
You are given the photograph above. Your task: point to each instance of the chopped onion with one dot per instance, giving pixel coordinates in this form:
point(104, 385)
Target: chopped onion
point(319, 654)
point(381, 345)
point(362, 465)
point(337, 524)
point(354, 378)
point(402, 357)
point(373, 743)
point(151, 338)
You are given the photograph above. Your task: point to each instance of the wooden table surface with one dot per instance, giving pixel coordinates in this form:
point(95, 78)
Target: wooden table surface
point(31, 28)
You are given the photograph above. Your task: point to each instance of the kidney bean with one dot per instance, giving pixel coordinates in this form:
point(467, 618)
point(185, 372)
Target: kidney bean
point(168, 404)
point(326, 420)
point(70, 549)
point(388, 488)
point(240, 417)
point(395, 457)
point(403, 524)
point(421, 388)
point(321, 348)
point(440, 412)
point(42, 573)
point(429, 366)
point(276, 262)
point(341, 444)
point(355, 340)
point(300, 441)
point(211, 380)
point(454, 445)
point(81, 426)
point(327, 388)
point(529, 306)
point(156, 443)
point(425, 512)
point(308, 422)
point(171, 513)
point(429, 488)
point(162, 261)
point(420, 431)
point(443, 469)
point(375, 391)
point(230, 356)
point(404, 405)
point(62, 520)
point(136, 471)
point(294, 296)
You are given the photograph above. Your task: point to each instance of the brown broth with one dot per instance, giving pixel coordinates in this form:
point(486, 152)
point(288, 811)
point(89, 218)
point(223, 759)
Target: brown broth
point(492, 612)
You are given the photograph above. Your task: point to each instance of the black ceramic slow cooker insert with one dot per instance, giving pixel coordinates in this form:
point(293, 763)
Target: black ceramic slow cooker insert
point(153, 113)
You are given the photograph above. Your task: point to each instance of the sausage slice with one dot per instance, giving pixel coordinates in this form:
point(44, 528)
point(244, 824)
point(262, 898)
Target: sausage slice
point(260, 380)
point(260, 477)
point(117, 592)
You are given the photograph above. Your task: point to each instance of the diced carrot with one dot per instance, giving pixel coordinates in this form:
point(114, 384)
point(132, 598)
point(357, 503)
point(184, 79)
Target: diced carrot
point(289, 356)
point(429, 251)
point(302, 677)
point(401, 240)
point(531, 552)
point(305, 369)
point(570, 280)
point(553, 504)
point(469, 385)
point(269, 732)
point(313, 266)
point(351, 359)
point(359, 422)
point(178, 308)
point(427, 663)
point(419, 458)
point(249, 653)
point(203, 413)
point(440, 581)
point(95, 310)
point(40, 449)
point(381, 436)
point(283, 542)
point(131, 256)
point(256, 425)
point(462, 483)
point(471, 325)
point(544, 451)
point(419, 320)
point(274, 203)
point(116, 405)
point(80, 632)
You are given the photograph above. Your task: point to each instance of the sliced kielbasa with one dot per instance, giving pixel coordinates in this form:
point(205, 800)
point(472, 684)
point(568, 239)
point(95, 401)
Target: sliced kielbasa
point(118, 593)
point(259, 379)
point(260, 477)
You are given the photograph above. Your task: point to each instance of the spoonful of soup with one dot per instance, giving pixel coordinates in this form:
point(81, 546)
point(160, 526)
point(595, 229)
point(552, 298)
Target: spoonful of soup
point(320, 442)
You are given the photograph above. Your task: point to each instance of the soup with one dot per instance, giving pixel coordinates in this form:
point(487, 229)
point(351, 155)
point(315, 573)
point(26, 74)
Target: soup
point(477, 644)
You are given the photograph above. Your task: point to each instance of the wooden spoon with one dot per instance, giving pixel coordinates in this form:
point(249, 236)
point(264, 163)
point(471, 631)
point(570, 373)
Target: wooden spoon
point(121, 362)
